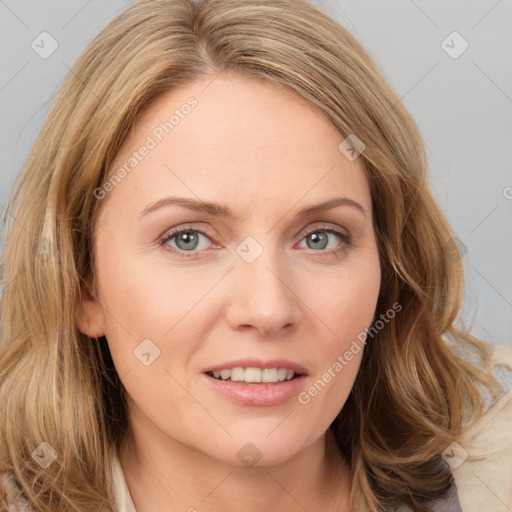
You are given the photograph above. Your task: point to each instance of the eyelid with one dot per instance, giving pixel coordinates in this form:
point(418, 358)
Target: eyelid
point(168, 234)
point(323, 225)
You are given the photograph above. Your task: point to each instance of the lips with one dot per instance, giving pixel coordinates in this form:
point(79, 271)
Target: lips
point(257, 394)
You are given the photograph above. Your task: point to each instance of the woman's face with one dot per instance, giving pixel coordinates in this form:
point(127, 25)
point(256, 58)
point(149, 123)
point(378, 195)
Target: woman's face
point(250, 283)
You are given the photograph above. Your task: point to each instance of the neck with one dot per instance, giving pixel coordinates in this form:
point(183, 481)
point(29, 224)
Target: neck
point(315, 479)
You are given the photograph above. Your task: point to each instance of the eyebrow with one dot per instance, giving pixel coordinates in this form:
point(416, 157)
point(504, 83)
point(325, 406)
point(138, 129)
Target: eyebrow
point(224, 211)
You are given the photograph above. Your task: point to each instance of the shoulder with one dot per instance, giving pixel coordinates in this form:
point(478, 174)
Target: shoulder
point(13, 491)
point(482, 459)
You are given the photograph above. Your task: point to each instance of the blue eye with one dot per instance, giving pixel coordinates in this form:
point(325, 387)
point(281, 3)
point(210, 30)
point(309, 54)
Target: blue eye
point(320, 239)
point(187, 241)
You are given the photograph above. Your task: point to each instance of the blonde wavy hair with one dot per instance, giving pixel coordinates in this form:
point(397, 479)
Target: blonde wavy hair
point(413, 395)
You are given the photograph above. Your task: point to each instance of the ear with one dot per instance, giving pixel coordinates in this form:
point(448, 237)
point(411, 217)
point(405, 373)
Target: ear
point(90, 317)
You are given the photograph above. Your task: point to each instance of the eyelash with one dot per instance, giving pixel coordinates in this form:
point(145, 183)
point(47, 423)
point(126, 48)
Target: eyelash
point(192, 254)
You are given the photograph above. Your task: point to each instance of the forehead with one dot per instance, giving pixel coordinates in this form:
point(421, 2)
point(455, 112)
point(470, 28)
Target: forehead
point(239, 139)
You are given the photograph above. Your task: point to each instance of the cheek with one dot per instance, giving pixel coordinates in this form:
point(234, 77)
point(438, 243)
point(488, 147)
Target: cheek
point(157, 316)
point(346, 300)
point(147, 298)
point(347, 313)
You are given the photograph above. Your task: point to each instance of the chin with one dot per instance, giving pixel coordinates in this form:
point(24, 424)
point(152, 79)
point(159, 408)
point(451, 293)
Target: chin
point(259, 449)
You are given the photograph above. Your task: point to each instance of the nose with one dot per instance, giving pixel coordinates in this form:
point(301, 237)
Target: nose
point(264, 295)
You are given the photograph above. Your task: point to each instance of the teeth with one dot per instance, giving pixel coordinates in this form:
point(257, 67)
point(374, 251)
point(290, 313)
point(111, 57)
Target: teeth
point(237, 374)
point(270, 375)
point(252, 374)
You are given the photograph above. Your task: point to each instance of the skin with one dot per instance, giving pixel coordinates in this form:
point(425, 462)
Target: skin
point(266, 154)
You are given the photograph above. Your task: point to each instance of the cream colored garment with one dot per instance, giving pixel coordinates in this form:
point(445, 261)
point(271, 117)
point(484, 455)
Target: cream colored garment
point(123, 498)
point(484, 478)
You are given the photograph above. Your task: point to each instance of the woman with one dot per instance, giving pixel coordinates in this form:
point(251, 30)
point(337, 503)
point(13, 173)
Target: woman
point(302, 353)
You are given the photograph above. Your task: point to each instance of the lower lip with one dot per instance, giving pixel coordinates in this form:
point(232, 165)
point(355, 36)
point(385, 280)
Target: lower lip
point(261, 395)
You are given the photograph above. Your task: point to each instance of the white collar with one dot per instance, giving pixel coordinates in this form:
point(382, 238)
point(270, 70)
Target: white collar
point(123, 497)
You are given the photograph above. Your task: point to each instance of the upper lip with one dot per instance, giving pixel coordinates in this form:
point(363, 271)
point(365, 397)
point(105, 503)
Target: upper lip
point(258, 363)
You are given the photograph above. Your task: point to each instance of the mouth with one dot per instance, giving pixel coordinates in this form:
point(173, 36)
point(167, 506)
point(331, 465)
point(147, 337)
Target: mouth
point(254, 375)
point(252, 382)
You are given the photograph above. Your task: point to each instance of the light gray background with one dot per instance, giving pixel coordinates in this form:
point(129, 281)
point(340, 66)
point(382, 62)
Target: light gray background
point(462, 105)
